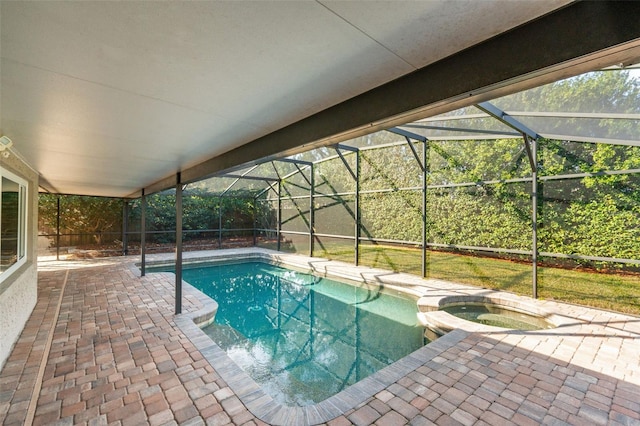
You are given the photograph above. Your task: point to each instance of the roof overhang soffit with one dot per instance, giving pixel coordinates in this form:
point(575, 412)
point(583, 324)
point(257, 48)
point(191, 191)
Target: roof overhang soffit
point(581, 37)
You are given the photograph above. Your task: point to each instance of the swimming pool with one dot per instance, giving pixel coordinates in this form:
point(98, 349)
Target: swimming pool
point(303, 338)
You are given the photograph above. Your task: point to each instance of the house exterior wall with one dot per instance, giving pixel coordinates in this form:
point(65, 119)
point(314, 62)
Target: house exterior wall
point(19, 291)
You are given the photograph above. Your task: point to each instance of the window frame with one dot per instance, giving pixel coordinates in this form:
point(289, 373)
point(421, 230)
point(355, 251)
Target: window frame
point(23, 207)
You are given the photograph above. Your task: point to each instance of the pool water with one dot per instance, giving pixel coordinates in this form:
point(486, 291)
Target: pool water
point(303, 338)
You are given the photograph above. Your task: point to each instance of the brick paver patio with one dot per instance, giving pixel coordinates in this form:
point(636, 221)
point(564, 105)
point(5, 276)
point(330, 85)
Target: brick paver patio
point(114, 355)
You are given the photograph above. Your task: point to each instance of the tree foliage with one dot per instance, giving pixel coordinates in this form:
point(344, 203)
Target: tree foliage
point(94, 216)
point(99, 217)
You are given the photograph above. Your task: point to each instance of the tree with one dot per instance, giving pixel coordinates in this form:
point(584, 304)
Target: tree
point(93, 216)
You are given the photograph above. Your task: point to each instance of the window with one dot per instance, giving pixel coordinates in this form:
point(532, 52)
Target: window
point(13, 216)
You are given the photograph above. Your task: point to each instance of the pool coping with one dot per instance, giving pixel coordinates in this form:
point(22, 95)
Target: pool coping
point(431, 295)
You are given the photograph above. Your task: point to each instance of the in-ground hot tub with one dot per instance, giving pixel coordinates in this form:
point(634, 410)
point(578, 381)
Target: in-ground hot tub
point(497, 316)
point(442, 314)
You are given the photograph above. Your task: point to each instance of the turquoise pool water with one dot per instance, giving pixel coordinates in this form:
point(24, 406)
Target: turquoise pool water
point(304, 338)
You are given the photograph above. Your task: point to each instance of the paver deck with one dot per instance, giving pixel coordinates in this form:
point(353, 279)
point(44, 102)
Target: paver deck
point(103, 347)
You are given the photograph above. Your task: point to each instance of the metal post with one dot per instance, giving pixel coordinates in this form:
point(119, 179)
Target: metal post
point(178, 246)
point(425, 168)
point(143, 233)
point(58, 230)
point(357, 209)
point(358, 352)
point(125, 226)
point(220, 222)
point(279, 215)
point(534, 217)
point(312, 214)
point(255, 221)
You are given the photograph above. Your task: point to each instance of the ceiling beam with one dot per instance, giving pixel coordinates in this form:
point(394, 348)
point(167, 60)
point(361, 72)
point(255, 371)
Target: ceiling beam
point(580, 37)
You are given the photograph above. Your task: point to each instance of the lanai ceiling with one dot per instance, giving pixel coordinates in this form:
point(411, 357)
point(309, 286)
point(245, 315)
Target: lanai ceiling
point(106, 98)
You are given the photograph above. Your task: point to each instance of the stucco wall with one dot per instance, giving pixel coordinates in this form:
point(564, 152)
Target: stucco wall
point(19, 292)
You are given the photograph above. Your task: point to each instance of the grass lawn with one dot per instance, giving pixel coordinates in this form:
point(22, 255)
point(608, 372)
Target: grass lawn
point(616, 292)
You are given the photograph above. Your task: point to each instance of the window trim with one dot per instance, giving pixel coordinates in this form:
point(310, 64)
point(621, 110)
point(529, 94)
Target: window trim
point(23, 210)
